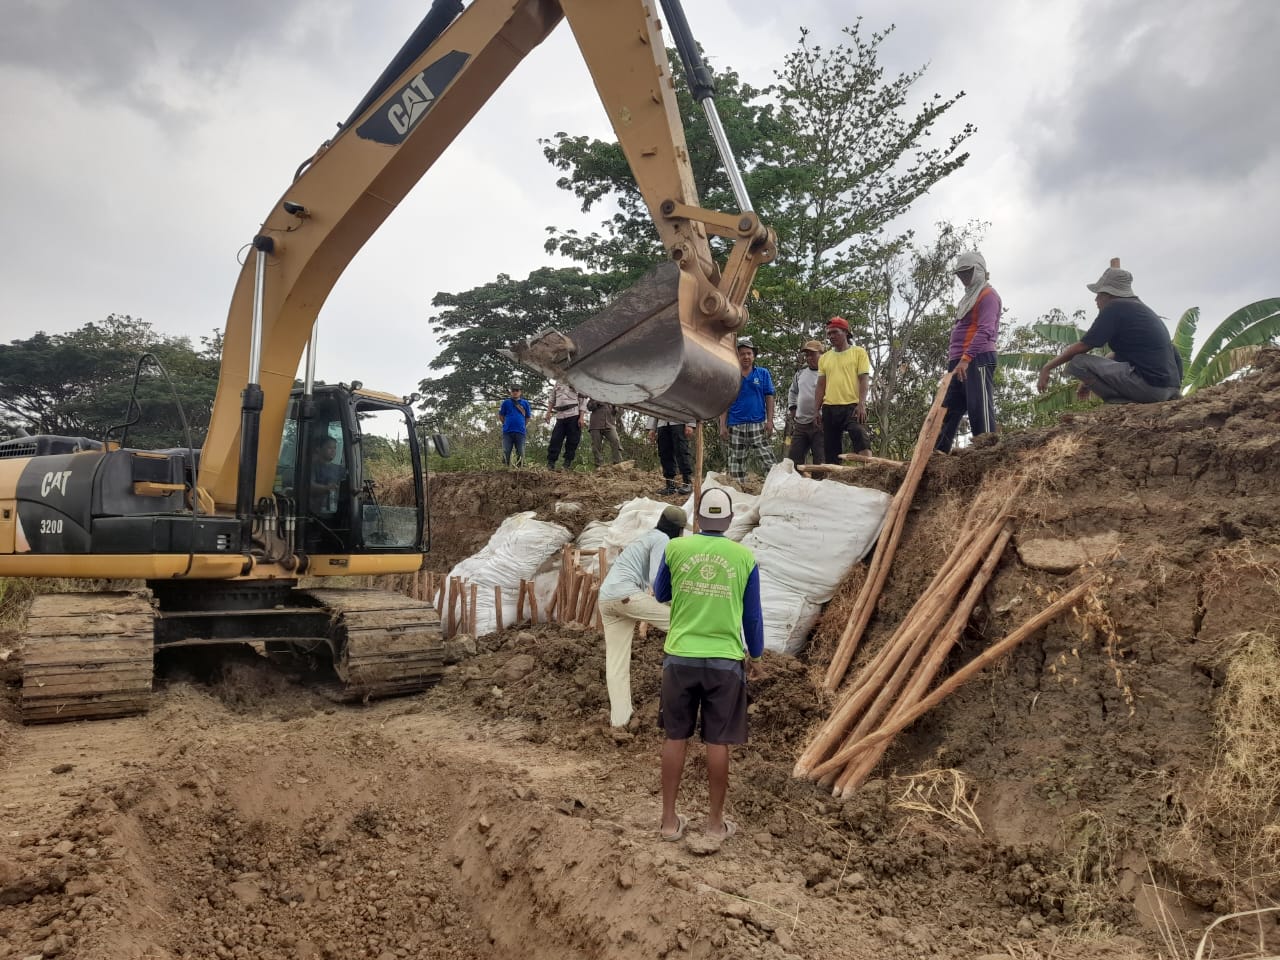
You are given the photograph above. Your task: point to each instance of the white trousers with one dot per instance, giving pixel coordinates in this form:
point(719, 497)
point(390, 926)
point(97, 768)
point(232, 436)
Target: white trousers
point(620, 618)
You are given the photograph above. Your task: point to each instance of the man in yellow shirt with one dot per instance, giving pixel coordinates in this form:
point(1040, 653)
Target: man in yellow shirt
point(844, 376)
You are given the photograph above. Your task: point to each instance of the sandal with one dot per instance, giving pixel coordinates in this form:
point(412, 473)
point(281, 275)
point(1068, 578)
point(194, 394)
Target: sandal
point(730, 828)
point(682, 822)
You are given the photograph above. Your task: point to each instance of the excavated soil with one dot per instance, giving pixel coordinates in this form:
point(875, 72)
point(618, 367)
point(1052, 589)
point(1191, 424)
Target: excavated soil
point(498, 815)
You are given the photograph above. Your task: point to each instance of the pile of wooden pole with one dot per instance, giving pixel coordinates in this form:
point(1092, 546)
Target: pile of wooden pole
point(887, 545)
point(577, 593)
point(891, 690)
point(576, 597)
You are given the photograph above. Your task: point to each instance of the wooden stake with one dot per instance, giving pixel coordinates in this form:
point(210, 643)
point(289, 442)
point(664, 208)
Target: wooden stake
point(475, 587)
point(524, 586)
point(497, 607)
point(533, 604)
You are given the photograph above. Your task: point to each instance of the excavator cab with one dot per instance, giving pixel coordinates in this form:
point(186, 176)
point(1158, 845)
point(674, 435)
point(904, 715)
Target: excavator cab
point(334, 448)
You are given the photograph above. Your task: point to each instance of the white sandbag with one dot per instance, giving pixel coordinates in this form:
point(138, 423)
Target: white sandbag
point(634, 518)
point(788, 616)
point(810, 535)
point(519, 549)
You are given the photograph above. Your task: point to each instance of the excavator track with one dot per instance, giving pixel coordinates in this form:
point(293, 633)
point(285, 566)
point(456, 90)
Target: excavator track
point(385, 644)
point(87, 656)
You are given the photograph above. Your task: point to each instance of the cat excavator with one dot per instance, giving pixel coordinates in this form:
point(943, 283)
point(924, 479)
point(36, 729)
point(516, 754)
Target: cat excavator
point(282, 487)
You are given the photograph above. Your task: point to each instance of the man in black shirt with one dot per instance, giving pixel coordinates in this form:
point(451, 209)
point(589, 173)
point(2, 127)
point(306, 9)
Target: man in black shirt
point(1144, 367)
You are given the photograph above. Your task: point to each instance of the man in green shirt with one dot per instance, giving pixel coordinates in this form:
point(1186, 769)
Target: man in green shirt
point(713, 585)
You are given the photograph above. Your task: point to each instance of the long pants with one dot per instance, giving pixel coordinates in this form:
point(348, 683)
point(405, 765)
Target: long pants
point(837, 420)
point(1115, 381)
point(620, 618)
point(513, 441)
point(976, 397)
point(743, 439)
point(567, 433)
point(598, 437)
point(673, 451)
point(806, 438)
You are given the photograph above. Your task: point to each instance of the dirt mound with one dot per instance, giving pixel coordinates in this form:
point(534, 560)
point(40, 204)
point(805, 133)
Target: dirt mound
point(1086, 799)
point(467, 507)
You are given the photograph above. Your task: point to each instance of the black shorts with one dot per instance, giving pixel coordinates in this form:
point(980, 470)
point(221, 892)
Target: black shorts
point(716, 688)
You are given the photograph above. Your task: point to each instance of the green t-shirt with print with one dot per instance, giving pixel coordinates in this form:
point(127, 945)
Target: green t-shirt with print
point(708, 577)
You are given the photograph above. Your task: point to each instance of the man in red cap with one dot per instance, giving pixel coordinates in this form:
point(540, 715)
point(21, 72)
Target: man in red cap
point(844, 376)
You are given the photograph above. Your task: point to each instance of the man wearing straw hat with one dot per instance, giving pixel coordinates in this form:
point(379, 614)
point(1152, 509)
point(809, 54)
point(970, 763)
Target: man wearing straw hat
point(1145, 366)
point(714, 588)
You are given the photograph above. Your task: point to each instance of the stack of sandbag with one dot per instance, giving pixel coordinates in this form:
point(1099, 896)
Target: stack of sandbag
point(809, 536)
point(522, 548)
point(634, 518)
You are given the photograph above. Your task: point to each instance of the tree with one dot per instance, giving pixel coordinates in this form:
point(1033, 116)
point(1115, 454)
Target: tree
point(477, 323)
point(79, 383)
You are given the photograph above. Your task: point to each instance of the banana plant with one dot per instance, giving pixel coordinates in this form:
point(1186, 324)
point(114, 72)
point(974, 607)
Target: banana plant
point(1230, 348)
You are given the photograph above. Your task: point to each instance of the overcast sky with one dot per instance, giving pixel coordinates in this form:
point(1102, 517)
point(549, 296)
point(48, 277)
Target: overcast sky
point(147, 139)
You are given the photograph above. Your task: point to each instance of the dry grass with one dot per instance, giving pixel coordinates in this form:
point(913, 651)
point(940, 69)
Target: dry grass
point(1233, 819)
point(945, 793)
point(16, 594)
point(1243, 559)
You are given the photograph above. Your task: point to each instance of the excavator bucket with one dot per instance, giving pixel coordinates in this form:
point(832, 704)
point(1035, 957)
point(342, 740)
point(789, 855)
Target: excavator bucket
point(646, 350)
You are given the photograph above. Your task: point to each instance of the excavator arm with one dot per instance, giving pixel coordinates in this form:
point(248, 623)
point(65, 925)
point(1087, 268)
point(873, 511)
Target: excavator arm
point(668, 348)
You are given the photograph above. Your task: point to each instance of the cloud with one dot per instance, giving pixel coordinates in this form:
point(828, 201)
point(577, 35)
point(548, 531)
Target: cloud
point(1176, 92)
point(156, 56)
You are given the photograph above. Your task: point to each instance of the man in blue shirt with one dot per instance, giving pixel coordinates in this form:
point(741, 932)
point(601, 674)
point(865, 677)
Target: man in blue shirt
point(714, 588)
point(513, 415)
point(748, 424)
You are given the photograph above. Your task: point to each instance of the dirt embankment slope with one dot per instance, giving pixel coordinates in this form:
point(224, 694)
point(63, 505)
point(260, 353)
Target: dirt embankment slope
point(497, 815)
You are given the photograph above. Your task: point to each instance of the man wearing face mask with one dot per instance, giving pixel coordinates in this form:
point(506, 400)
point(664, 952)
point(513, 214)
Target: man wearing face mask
point(973, 353)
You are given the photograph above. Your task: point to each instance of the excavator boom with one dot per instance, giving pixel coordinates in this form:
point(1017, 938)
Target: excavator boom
point(669, 351)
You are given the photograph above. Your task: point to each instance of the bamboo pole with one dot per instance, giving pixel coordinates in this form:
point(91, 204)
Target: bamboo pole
point(899, 653)
point(825, 469)
point(497, 607)
point(887, 546)
point(848, 782)
point(943, 641)
point(868, 458)
point(969, 671)
point(697, 472)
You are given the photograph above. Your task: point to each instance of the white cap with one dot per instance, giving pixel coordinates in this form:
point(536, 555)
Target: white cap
point(715, 510)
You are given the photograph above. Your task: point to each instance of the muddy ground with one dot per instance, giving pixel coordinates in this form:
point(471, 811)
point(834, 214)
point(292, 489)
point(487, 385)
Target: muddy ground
point(497, 815)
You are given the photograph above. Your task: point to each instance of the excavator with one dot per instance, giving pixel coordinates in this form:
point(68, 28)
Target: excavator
point(282, 488)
